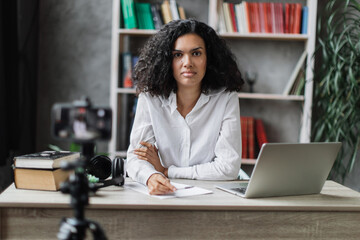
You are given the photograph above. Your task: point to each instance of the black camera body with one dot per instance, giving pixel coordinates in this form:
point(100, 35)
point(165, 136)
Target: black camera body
point(81, 122)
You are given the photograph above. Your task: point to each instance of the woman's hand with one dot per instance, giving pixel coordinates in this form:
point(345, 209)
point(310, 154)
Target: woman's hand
point(150, 153)
point(158, 184)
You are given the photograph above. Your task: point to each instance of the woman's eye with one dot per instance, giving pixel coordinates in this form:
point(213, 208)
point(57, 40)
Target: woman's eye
point(177, 55)
point(196, 54)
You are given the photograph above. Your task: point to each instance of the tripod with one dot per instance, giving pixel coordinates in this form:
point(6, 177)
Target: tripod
point(78, 187)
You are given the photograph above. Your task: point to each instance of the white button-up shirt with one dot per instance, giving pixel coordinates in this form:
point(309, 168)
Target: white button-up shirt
point(206, 144)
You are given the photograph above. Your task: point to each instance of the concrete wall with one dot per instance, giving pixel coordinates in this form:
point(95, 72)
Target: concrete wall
point(74, 57)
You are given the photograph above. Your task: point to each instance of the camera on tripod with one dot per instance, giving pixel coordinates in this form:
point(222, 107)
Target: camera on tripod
point(82, 123)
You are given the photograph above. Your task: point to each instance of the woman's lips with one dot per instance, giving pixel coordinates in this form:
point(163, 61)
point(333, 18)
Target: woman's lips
point(188, 74)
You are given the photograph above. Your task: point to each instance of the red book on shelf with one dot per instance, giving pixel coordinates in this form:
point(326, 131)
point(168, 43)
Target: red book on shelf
point(276, 14)
point(251, 137)
point(233, 17)
point(251, 16)
point(269, 17)
point(260, 132)
point(263, 8)
point(273, 21)
point(247, 14)
point(297, 18)
point(278, 17)
point(256, 17)
point(287, 18)
point(281, 17)
point(261, 17)
point(292, 16)
point(243, 121)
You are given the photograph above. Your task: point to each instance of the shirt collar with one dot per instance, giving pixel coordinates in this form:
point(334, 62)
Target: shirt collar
point(170, 101)
point(203, 99)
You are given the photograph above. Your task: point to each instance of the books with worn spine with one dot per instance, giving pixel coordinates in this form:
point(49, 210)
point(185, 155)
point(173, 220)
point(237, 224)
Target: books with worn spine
point(45, 159)
point(40, 179)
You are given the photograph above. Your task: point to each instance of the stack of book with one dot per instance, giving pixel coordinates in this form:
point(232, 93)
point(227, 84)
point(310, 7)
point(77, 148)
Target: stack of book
point(41, 171)
point(253, 136)
point(136, 15)
point(263, 17)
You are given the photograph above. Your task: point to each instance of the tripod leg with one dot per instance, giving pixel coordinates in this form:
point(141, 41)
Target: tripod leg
point(66, 230)
point(96, 230)
point(72, 228)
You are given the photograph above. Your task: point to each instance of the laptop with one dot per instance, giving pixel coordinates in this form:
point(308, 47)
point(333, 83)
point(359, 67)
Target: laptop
point(285, 169)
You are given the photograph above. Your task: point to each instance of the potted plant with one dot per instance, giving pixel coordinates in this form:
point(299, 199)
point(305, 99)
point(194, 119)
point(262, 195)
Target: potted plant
point(337, 83)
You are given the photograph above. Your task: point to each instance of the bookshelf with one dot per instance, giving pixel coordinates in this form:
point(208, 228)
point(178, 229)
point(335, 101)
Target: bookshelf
point(287, 118)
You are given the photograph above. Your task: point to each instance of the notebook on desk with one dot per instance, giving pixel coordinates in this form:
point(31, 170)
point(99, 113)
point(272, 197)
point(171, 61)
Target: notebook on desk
point(285, 169)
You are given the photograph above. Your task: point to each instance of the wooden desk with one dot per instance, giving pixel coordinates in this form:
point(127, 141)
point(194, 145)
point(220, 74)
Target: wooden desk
point(126, 214)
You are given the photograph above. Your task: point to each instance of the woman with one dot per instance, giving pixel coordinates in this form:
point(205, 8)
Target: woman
point(187, 122)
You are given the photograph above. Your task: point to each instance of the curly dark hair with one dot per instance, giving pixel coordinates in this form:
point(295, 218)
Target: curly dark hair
point(153, 71)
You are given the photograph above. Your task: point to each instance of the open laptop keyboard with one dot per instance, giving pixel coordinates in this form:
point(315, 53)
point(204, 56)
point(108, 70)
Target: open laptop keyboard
point(241, 189)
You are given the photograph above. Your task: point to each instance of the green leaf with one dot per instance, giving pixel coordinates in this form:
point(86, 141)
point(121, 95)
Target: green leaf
point(74, 147)
point(54, 147)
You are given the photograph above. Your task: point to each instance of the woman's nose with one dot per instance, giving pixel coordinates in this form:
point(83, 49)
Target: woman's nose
point(187, 61)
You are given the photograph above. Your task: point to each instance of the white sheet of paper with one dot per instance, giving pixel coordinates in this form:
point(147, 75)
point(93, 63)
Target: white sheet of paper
point(183, 190)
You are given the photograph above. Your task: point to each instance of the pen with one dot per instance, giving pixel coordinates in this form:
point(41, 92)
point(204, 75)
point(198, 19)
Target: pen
point(185, 187)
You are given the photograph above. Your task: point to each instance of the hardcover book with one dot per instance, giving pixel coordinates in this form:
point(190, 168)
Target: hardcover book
point(260, 133)
point(251, 137)
point(128, 10)
point(297, 18)
point(45, 160)
point(304, 20)
point(40, 179)
point(244, 133)
point(166, 12)
point(174, 10)
point(156, 14)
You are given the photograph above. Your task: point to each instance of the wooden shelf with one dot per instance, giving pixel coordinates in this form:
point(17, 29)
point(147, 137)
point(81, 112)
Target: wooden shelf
point(260, 96)
point(262, 36)
point(136, 32)
point(248, 161)
point(267, 36)
point(126, 90)
point(267, 96)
